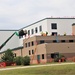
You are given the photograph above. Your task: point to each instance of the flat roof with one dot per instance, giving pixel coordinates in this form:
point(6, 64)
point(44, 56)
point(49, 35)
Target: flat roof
point(45, 19)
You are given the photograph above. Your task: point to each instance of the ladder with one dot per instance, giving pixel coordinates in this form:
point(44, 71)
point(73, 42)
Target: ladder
point(34, 52)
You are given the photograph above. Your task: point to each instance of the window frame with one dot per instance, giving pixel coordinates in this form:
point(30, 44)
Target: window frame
point(28, 44)
point(42, 41)
point(36, 29)
point(32, 31)
point(28, 32)
point(40, 28)
point(43, 56)
point(29, 52)
point(32, 51)
point(53, 25)
point(32, 43)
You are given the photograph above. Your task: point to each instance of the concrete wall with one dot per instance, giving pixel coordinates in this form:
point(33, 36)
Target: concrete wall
point(63, 26)
point(64, 48)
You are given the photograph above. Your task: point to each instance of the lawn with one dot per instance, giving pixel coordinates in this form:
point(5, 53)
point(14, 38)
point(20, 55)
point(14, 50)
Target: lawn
point(49, 70)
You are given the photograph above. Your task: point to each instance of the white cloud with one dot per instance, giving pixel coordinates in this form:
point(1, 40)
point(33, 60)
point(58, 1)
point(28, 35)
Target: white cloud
point(19, 13)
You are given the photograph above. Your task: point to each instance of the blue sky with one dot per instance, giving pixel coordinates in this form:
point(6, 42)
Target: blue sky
point(15, 14)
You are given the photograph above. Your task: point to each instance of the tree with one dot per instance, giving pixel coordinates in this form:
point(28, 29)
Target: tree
point(8, 56)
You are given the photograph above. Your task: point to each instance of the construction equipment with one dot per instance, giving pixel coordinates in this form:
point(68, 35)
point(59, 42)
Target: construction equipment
point(8, 40)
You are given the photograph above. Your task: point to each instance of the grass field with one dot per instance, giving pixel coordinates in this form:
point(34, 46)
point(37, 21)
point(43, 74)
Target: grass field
point(49, 70)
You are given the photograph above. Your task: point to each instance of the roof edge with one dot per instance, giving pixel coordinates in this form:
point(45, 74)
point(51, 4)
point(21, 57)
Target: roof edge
point(45, 19)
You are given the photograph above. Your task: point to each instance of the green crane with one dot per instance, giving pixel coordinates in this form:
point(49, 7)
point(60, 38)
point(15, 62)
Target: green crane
point(8, 40)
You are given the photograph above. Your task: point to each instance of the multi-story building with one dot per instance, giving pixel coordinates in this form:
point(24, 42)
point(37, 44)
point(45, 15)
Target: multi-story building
point(59, 26)
point(39, 47)
point(42, 48)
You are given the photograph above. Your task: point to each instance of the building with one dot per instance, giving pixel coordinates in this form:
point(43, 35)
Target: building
point(42, 48)
point(59, 40)
point(58, 26)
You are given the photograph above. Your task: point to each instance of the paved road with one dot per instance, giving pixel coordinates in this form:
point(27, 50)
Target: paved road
point(1, 69)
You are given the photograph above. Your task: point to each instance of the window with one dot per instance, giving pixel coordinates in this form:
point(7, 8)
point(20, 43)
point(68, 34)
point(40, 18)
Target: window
point(71, 40)
point(40, 28)
point(32, 31)
point(28, 44)
point(29, 52)
point(25, 44)
point(54, 26)
point(32, 51)
point(52, 55)
point(62, 40)
point(54, 40)
point(28, 32)
point(41, 41)
point(32, 43)
point(36, 30)
point(42, 56)
point(14, 54)
point(54, 33)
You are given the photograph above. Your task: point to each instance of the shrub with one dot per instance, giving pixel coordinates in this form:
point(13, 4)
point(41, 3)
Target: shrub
point(60, 57)
point(26, 60)
point(18, 60)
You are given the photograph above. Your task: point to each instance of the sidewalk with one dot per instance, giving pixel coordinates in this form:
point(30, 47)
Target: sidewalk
point(1, 69)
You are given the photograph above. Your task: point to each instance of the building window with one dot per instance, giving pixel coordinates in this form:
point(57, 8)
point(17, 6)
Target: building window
point(71, 40)
point(14, 54)
point(42, 56)
point(28, 44)
point(32, 31)
point(28, 32)
point(54, 41)
point(36, 30)
point(62, 40)
point(32, 43)
point(54, 26)
point(54, 55)
point(25, 44)
point(40, 28)
point(42, 41)
point(32, 51)
point(54, 33)
point(29, 52)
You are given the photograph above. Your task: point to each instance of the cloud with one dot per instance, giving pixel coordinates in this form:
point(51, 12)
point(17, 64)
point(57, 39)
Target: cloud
point(15, 14)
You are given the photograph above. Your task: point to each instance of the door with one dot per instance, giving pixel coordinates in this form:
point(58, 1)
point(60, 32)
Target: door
point(38, 58)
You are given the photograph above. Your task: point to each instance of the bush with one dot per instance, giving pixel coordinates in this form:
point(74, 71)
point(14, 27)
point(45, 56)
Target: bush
point(18, 60)
point(26, 60)
point(60, 57)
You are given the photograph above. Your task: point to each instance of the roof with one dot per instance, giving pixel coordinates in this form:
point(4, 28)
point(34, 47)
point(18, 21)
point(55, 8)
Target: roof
point(43, 20)
point(7, 30)
point(17, 48)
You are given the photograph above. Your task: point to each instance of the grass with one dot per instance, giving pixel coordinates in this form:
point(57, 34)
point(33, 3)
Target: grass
point(49, 70)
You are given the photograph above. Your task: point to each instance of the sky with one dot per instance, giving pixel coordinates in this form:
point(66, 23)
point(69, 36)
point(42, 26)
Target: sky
point(16, 14)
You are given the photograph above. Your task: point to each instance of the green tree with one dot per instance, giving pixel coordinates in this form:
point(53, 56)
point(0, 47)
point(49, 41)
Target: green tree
point(8, 56)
